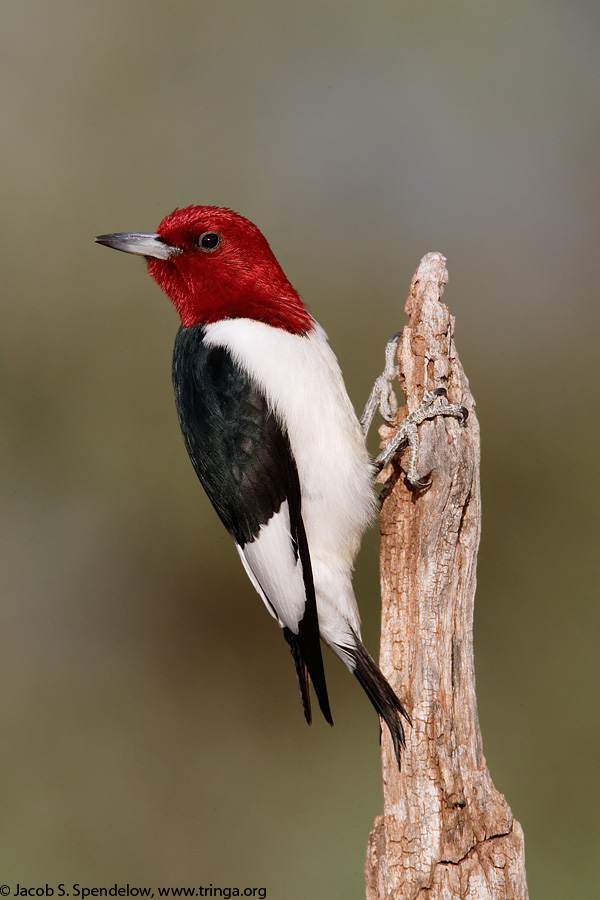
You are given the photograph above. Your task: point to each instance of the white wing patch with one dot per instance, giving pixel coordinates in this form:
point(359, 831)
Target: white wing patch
point(273, 569)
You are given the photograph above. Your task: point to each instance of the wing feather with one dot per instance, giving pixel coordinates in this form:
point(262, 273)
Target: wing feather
point(243, 458)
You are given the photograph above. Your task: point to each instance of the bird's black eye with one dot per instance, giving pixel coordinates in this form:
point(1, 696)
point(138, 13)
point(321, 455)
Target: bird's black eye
point(208, 241)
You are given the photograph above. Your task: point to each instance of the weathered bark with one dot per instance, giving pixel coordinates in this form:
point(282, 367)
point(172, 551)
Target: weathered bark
point(446, 832)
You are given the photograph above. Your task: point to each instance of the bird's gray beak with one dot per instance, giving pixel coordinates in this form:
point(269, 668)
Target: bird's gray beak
point(140, 244)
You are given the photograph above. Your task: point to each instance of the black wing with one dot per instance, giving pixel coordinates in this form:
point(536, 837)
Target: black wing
point(243, 458)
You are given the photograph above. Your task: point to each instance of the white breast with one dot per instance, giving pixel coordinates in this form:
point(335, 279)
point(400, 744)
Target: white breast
point(303, 384)
point(302, 381)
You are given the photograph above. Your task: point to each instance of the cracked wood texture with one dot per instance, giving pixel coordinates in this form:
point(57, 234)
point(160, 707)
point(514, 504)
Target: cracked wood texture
point(446, 832)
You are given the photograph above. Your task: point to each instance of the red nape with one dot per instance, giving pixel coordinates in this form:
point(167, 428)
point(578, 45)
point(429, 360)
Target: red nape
point(237, 278)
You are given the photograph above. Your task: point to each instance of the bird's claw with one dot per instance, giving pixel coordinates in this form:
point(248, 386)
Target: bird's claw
point(383, 398)
point(419, 485)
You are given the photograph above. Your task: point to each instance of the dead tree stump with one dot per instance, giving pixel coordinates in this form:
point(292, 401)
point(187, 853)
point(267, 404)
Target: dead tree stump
point(445, 832)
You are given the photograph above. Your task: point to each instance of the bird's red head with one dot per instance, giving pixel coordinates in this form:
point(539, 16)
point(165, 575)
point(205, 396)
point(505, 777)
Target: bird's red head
point(214, 264)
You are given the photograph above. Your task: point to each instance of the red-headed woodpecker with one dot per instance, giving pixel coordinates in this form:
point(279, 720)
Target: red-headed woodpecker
point(272, 435)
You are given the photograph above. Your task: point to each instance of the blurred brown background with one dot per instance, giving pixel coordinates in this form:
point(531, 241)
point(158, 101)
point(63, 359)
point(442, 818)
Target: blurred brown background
point(151, 729)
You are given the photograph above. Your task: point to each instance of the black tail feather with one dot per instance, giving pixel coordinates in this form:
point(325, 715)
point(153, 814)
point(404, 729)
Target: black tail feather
point(381, 696)
point(305, 664)
point(301, 673)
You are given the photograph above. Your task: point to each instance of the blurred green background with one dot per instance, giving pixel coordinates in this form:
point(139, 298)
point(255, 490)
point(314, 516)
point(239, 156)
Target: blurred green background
point(151, 729)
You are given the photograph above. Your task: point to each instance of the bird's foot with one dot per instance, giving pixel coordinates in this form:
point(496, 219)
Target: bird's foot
point(383, 398)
